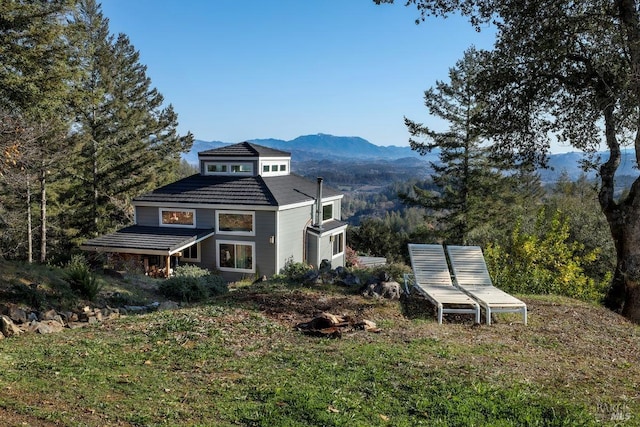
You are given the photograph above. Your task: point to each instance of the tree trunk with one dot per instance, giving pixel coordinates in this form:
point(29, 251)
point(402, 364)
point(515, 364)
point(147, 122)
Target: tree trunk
point(623, 295)
point(29, 223)
point(43, 214)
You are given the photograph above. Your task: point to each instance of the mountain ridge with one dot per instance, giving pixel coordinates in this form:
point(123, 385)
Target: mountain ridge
point(339, 149)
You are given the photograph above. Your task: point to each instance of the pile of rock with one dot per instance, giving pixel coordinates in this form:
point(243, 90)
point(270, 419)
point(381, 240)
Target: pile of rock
point(15, 321)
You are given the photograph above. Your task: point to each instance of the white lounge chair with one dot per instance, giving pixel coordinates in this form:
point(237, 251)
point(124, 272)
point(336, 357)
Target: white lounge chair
point(432, 279)
point(471, 276)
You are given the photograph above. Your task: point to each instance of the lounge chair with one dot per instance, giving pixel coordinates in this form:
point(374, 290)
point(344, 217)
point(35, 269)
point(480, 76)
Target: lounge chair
point(432, 279)
point(472, 277)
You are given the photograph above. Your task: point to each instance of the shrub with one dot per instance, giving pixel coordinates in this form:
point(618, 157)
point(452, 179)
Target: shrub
point(295, 271)
point(192, 283)
point(544, 261)
point(80, 278)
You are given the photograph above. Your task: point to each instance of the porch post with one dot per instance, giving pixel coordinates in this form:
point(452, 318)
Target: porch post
point(167, 266)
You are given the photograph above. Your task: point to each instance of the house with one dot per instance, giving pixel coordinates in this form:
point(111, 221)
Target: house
point(245, 214)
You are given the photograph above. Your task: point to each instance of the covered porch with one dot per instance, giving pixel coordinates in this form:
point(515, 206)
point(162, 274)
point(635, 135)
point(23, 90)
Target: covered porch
point(149, 243)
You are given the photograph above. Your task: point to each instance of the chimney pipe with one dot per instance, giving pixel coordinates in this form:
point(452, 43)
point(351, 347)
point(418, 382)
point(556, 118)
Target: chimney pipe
point(319, 204)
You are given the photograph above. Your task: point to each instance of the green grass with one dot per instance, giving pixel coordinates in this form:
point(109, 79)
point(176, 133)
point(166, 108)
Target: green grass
point(238, 361)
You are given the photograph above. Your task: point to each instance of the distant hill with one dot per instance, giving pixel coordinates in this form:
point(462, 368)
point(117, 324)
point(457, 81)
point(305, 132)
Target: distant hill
point(320, 147)
point(335, 150)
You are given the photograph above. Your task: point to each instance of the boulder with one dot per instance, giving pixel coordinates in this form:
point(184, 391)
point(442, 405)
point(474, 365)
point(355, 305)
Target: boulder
point(48, 327)
point(8, 328)
point(16, 314)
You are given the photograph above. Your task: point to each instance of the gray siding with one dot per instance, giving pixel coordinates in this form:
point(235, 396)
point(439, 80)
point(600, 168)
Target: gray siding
point(292, 224)
point(312, 250)
point(265, 250)
point(205, 218)
point(148, 216)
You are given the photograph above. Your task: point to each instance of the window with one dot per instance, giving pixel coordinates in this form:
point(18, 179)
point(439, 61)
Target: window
point(242, 168)
point(192, 253)
point(216, 168)
point(177, 218)
point(327, 212)
point(277, 168)
point(338, 244)
point(234, 222)
point(236, 256)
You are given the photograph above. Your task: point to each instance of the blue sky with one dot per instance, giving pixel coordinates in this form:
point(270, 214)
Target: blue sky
point(245, 69)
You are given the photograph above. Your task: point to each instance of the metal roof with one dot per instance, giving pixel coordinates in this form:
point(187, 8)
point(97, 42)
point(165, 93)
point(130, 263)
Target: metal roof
point(244, 149)
point(254, 191)
point(138, 239)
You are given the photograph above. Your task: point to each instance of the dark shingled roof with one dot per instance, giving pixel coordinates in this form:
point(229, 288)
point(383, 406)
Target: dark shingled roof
point(244, 149)
point(151, 240)
point(226, 190)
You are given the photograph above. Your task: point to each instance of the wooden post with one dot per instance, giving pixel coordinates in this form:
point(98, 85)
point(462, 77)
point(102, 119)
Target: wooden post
point(168, 266)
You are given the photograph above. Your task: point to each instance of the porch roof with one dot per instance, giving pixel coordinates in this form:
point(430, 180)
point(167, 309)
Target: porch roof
point(138, 239)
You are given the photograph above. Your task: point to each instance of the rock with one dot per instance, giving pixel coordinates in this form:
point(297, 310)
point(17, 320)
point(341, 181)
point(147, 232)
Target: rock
point(16, 314)
point(8, 328)
point(49, 327)
point(48, 315)
point(349, 280)
point(341, 271)
point(383, 276)
point(168, 305)
point(33, 316)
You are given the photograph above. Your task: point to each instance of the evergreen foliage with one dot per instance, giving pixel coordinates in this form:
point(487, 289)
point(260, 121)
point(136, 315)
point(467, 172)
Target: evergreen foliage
point(472, 190)
point(83, 130)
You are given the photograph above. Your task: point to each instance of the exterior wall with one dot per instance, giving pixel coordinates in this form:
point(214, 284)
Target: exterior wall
point(313, 257)
point(264, 254)
point(148, 216)
point(292, 224)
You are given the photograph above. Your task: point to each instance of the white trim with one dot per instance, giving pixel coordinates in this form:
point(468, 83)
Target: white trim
point(235, 243)
point(332, 209)
point(174, 209)
point(148, 204)
point(332, 238)
point(236, 233)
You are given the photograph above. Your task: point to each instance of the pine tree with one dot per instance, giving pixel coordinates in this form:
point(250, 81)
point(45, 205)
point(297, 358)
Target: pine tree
point(126, 138)
point(35, 70)
point(470, 182)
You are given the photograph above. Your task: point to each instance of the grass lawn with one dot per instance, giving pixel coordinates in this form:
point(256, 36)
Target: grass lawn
point(238, 360)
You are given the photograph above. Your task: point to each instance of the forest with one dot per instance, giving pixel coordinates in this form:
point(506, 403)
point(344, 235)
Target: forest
point(82, 129)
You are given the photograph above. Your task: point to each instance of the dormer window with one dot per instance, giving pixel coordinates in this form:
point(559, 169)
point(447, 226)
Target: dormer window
point(226, 168)
point(276, 167)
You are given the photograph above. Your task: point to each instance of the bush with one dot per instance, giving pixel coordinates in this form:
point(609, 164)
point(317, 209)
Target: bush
point(80, 278)
point(295, 271)
point(544, 261)
point(192, 283)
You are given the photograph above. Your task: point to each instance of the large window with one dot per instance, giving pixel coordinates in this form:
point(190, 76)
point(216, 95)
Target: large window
point(177, 217)
point(235, 222)
point(338, 244)
point(236, 256)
